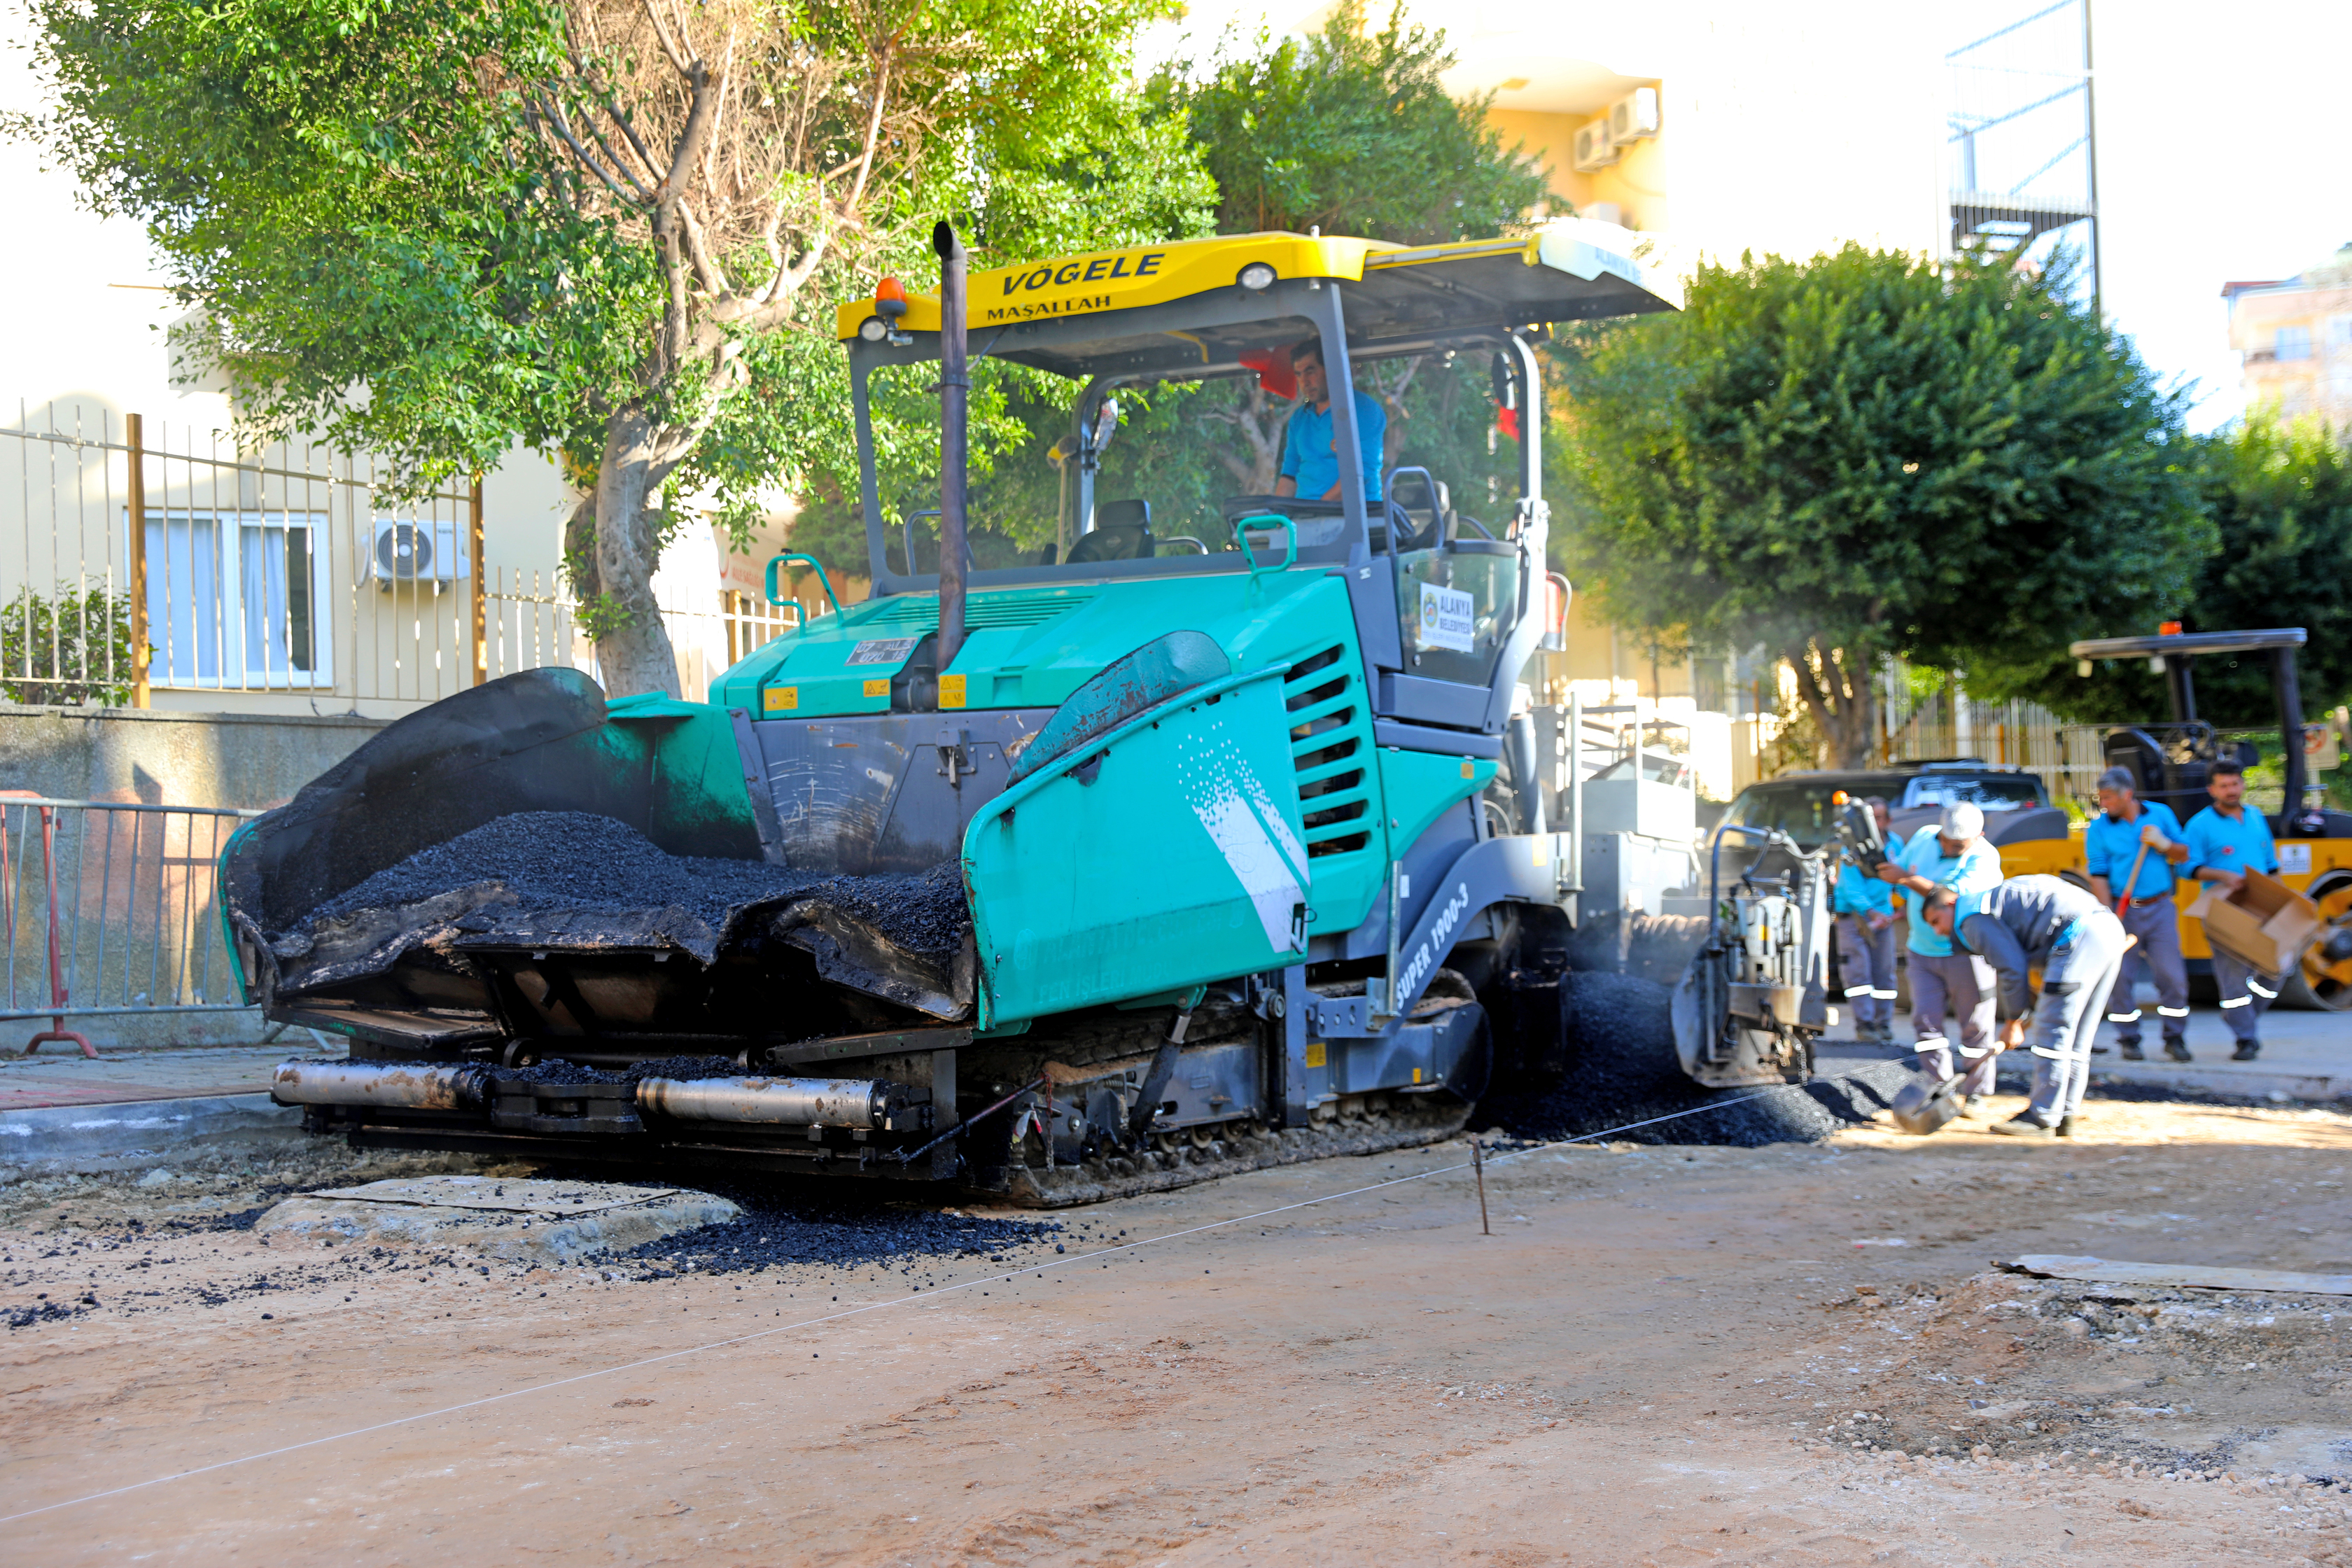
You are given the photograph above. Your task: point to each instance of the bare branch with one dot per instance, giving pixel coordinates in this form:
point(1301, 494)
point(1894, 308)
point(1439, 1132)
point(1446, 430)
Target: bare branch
point(873, 131)
point(670, 47)
point(562, 124)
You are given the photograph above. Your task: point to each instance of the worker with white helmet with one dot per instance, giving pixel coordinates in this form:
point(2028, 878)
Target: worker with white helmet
point(1949, 986)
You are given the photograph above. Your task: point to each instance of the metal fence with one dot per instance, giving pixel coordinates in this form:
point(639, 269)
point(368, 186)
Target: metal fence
point(112, 907)
point(2024, 734)
point(288, 573)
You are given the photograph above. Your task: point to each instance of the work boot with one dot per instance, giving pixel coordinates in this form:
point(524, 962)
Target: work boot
point(2066, 1125)
point(2176, 1049)
point(2130, 1050)
point(2247, 1051)
point(2022, 1126)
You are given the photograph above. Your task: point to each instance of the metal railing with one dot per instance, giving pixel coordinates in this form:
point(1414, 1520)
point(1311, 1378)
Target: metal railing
point(112, 907)
point(285, 574)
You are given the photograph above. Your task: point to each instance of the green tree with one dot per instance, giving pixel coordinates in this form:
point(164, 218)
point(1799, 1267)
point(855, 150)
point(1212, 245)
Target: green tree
point(1353, 132)
point(1867, 454)
point(2280, 494)
point(612, 228)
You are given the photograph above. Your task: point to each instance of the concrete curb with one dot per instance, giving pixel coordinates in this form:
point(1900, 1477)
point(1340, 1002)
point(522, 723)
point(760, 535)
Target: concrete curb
point(56, 1139)
point(2252, 1083)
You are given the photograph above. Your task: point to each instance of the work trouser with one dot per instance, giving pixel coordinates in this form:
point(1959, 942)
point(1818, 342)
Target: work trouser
point(2156, 958)
point(2076, 984)
point(2246, 994)
point(1960, 986)
point(1866, 964)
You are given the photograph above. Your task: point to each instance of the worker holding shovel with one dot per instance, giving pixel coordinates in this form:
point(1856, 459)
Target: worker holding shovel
point(2146, 837)
point(2041, 923)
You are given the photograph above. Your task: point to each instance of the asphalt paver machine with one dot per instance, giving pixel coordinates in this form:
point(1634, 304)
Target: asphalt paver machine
point(1241, 857)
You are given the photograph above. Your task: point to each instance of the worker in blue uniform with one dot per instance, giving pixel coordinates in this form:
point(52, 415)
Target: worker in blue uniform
point(1946, 984)
point(1310, 464)
point(2131, 833)
point(1865, 906)
point(2227, 840)
point(2046, 923)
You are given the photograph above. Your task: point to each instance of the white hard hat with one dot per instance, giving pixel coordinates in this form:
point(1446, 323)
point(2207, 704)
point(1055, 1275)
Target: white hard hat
point(1960, 822)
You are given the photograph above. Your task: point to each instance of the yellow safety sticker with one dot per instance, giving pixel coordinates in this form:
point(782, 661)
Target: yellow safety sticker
point(782, 699)
point(879, 688)
point(1416, 1075)
point(1314, 1057)
point(1540, 844)
point(1469, 769)
point(950, 691)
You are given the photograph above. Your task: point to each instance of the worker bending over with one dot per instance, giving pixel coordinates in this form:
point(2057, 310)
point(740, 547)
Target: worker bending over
point(1945, 983)
point(2129, 836)
point(1865, 937)
point(2076, 940)
point(2225, 842)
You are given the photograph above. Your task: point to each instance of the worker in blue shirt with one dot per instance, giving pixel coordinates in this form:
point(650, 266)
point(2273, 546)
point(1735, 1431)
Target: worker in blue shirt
point(2130, 833)
point(1309, 467)
point(1865, 936)
point(1945, 982)
point(2226, 841)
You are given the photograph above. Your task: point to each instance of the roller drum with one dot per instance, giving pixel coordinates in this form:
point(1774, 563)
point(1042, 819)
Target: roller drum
point(399, 1085)
point(851, 1103)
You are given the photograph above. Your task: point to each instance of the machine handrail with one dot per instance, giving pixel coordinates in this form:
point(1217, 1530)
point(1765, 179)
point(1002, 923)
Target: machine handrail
point(797, 555)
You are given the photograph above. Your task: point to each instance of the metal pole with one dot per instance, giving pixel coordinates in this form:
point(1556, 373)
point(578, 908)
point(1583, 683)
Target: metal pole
point(2091, 151)
point(955, 386)
point(481, 590)
point(1576, 797)
point(134, 436)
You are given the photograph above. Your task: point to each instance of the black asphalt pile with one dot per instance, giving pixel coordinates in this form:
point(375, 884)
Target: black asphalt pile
point(775, 1231)
point(1626, 1072)
point(575, 860)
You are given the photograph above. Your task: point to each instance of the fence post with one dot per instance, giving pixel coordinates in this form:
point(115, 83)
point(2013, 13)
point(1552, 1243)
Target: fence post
point(482, 589)
point(134, 436)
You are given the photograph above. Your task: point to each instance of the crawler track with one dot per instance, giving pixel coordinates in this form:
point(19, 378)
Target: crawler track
point(1162, 1170)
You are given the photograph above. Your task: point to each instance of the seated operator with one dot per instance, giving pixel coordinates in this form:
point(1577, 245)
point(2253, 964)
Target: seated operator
point(1308, 466)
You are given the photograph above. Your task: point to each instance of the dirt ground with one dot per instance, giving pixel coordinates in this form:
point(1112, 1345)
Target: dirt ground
point(1662, 1355)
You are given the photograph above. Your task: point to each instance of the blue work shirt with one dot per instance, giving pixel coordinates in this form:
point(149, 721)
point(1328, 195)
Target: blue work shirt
point(2110, 845)
point(1860, 893)
point(2240, 845)
point(1974, 870)
point(1307, 448)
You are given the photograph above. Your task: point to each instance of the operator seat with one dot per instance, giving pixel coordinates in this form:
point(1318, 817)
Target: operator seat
point(1122, 531)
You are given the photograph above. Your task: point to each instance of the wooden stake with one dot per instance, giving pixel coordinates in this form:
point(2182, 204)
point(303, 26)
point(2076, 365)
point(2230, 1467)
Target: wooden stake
point(481, 590)
point(1478, 1163)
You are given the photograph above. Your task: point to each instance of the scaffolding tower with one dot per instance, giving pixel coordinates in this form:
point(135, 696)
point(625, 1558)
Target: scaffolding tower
point(2023, 134)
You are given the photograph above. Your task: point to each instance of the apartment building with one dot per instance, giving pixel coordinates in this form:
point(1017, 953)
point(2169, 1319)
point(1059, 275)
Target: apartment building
point(2295, 335)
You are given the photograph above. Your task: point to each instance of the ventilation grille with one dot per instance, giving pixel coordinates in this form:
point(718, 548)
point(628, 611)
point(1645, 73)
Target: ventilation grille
point(921, 611)
point(1330, 745)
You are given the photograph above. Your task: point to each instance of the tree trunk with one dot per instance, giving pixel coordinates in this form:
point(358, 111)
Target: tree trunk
point(632, 645)
point(1836, 687)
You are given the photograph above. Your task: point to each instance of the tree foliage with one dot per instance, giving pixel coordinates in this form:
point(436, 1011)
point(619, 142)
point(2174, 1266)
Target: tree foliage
point(1352, 132)
point(612, 228)
point(2280, 495)
point(1868, 454)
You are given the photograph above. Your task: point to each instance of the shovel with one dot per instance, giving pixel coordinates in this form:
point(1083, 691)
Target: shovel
point(2123, 905)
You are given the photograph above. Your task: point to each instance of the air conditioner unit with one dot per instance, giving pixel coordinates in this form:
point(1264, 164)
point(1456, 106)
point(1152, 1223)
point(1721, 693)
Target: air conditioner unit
point(1594, 147)
point(1633, 116)
point(417, 551)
